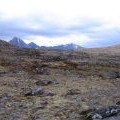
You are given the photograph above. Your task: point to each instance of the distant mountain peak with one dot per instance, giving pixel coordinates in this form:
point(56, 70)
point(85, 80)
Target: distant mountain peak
point(21, 44)
point(73, 46)
point(33, 45)
point(18, 42)
point(70, 46)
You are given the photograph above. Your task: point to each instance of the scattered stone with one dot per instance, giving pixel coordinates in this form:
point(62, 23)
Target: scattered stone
point(4, 98)
point(46, 82)
point(41, 104)
point(42, 71)
point(36, 118)
point(84, 106)
point(3, 71)
point(35, 92)
point(38, 92)
point(39, 119)
point(118, 103)
point(73, 92)
point(115, 74)
point(85, 112)
point(104, 113)
point(113, 118)
point(49, 94)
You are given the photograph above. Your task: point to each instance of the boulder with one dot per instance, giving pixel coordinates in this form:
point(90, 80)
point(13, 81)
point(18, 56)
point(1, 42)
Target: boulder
point(113, 118)
point(34, 92)
point(114, 74)
point(104, 113)
point(73, 92)
point(46, 82)
point(41, 104)
point(38, 92)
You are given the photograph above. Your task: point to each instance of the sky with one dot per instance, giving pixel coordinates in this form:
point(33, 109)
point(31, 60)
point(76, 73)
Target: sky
point(88, 23)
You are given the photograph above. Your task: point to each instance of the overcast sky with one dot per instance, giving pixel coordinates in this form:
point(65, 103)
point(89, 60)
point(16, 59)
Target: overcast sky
point(89, 23)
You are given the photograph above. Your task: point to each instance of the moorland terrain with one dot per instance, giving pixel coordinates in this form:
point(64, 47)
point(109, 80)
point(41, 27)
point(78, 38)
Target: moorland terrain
point(48, 84)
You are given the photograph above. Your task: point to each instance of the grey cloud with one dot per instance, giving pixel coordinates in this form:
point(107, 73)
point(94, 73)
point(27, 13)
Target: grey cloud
point(107, 38)
point(22, 28)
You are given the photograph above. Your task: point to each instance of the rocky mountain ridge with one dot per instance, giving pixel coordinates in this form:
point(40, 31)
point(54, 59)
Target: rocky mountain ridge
point(21, 44)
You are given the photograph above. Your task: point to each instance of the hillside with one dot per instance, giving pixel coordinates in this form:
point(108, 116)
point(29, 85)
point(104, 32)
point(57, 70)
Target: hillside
point(5, 45)
point(51, 84)
point(6, 48)
point(115, 49)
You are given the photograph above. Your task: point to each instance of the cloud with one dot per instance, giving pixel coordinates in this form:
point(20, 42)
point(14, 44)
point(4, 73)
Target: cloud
point(52, 22)
point(64, 11)
point(41, 27)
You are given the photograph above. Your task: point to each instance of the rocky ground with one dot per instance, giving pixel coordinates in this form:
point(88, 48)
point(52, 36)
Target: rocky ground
point(58, 85)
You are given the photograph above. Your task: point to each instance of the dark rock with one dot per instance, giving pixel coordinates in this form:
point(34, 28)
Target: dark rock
point(85, 112)
point(115, 74)
point(42, 71)
point(41, 104)
point(26, 91)
point(38, 92)
point(104, 113)
point(118, 103)
point(35, 92)
point(39, 119)
point(6, 95)
point(110, 75)
point(113, 118)
point(49, 94)
point(4, 98)
point(44, 82)
point(36, 118)
point(73, 92)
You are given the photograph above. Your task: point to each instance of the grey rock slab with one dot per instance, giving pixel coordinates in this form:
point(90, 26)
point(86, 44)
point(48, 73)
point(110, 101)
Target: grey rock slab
point(104, 113)
point(113, 118)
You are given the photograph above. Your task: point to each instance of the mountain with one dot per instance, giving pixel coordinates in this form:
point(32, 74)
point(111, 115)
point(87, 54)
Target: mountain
point(6, 50)
point(21, 44)
point(4, 44)
point(70, 46)
point(18, 42)
point(33, 45)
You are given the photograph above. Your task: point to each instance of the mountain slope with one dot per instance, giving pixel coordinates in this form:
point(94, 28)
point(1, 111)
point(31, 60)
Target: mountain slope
point(33, 45)
point(18, 42)
point(5, 46)
point(70, 46)
point(115, 49)
point(6, 50)
point(21, 44)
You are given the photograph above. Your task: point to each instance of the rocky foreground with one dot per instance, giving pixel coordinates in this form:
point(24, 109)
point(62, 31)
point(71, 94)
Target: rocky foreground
point(58, 85)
